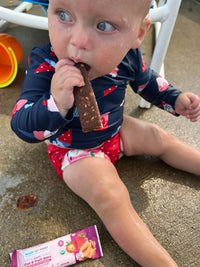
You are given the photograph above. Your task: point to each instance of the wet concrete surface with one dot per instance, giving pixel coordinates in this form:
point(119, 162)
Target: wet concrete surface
point(168, 200)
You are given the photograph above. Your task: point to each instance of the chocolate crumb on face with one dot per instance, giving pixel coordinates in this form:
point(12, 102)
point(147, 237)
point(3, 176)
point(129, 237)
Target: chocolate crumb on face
point(86, 104)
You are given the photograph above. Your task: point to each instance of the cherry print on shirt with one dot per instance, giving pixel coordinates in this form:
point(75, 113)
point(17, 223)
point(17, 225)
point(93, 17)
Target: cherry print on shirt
point(162, 84)
point(144, 66)
point(19, 105)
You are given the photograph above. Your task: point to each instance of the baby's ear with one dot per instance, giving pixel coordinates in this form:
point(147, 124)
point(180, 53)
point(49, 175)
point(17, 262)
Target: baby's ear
point(142, 32)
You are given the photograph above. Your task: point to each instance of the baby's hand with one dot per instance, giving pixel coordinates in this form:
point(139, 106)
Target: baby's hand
point(188, 105)
point(66, 77)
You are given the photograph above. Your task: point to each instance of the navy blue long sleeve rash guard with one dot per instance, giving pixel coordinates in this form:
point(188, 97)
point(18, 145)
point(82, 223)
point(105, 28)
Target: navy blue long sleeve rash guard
point(36, 118)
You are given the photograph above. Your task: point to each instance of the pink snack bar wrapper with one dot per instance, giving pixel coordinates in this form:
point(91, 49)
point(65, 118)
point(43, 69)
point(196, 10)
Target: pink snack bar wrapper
point(63, 251)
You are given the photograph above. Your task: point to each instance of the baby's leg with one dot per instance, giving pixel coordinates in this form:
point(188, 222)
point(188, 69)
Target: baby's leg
point(142, 138)
point(97, 182)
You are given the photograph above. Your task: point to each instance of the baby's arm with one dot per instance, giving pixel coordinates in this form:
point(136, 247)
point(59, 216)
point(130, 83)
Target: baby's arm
point(36, 116)
point(188, 105)
point(66, 77)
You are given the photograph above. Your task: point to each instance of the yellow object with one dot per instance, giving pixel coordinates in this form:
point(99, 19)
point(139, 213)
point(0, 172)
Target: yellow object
point(11, 54)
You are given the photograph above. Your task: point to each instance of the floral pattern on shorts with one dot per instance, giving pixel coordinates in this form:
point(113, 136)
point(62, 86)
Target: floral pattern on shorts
point(62, 157)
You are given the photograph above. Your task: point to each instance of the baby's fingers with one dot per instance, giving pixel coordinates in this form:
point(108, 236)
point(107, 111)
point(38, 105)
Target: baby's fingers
point(193, 114)
point(63, 62)
point(194, 102)
point(193, 111)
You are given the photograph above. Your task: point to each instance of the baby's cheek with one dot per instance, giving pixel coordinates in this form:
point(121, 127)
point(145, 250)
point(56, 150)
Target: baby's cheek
point(115, 55)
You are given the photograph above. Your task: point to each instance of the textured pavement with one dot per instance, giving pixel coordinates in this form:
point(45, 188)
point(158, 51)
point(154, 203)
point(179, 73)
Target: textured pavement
point(168, 200)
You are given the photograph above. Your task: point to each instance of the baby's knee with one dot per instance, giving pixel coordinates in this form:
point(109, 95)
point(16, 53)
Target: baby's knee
point(161, 138)
point(109, 197)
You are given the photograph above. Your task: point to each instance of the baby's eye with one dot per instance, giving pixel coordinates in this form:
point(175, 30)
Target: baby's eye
point(64, 16)
point(105, 26)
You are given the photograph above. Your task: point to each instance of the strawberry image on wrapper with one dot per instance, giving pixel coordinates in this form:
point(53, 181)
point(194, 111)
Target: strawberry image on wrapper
point(80, 240)
point(71, 247)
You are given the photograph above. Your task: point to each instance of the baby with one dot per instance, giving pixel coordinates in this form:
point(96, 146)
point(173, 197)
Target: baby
point(105, 35)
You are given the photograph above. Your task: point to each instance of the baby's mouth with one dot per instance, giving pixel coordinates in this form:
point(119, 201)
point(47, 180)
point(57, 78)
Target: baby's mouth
point(87, 67)
point(78, 61)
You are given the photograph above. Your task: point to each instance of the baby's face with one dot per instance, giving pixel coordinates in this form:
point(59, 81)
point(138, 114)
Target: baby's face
point(96, 32)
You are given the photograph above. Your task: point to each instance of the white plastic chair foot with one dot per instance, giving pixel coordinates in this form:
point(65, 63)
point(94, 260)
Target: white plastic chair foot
point(144, 103)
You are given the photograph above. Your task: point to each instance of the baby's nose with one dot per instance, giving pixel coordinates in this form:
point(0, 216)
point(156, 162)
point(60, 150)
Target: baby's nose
point(81, 40)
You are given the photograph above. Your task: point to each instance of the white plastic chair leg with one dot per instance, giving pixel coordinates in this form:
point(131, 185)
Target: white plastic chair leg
point(25, 6)
point(23, 19)
point(143, 102)
point(166, 14)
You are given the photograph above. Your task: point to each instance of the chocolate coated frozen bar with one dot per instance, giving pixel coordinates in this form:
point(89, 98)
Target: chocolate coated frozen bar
point(86, 104)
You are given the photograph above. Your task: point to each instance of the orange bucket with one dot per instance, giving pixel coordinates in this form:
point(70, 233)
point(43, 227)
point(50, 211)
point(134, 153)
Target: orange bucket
point(11, 54)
